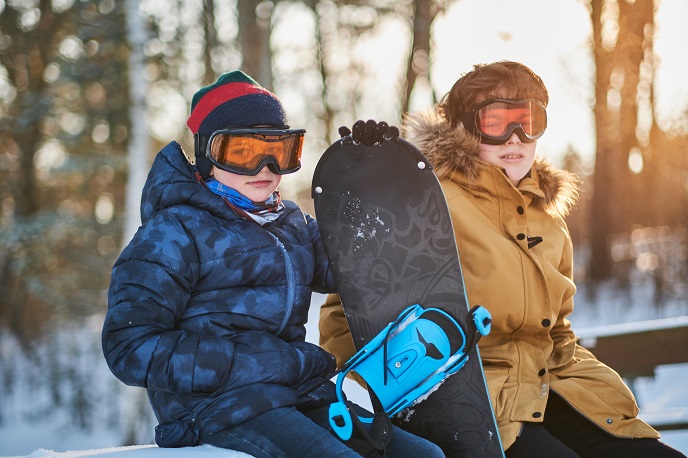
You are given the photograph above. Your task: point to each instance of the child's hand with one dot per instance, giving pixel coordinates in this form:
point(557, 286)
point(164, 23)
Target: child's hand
point(370, 132)
point(261, 357)
point(315, 361)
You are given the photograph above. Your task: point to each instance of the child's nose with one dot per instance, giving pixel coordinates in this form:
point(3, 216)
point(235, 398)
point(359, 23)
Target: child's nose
point(513, 139)
point(265, 170)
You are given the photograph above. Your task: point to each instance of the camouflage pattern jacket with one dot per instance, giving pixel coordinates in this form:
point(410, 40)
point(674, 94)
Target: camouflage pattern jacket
point(207, 310)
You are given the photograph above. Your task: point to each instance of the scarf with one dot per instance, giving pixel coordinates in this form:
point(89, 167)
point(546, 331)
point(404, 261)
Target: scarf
point(260, 212)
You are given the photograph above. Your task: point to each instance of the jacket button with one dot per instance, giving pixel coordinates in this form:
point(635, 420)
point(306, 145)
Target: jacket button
point(542, 372)
point(521, 236)
point(520, 210)
point(609, 421)
point(546, 322)
point(537, 414)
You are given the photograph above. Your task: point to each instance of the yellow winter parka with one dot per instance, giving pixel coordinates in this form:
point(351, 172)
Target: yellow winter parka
point(528, 290)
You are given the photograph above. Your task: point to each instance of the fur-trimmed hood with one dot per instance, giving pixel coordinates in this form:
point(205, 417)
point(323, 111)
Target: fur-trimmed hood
point(452, 150)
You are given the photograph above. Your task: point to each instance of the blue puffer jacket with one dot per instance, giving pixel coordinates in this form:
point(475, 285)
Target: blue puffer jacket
point(207, 310)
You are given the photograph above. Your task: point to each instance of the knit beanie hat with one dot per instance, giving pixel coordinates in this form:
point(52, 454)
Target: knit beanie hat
point(234, 100)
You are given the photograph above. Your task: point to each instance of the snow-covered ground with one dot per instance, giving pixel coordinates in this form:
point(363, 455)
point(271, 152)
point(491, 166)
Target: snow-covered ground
point(144, 451)
point(99, 414)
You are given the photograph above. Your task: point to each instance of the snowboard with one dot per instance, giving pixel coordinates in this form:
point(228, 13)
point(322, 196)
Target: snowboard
point(388, 234)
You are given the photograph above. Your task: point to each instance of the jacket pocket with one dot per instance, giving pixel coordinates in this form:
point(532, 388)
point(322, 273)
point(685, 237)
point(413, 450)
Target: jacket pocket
point(497, 374)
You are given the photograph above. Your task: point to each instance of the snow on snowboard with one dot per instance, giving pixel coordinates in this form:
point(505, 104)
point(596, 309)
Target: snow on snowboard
point(388, 234)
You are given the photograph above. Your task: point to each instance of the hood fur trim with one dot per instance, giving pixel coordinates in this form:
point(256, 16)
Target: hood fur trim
point(452, 150)
point(448, 150)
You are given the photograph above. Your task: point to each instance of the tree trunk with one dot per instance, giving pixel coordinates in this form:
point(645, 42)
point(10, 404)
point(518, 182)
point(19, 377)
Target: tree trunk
point(418, 63)
point(210, 40)
point(321, 56)
point(633, 19)
point(139, 141)
point(601, 218)
point(255, 25)
point(25, 63)
point(614, 205)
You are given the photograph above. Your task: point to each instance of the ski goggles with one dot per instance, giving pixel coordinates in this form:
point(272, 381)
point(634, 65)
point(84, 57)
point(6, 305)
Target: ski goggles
point(247, 151)
point(494, 121)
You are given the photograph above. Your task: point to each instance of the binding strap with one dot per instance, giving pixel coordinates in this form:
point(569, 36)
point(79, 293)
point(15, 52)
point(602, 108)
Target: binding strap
point(369, 439)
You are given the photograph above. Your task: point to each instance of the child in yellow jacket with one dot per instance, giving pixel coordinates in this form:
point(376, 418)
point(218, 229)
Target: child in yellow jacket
point(551, 396)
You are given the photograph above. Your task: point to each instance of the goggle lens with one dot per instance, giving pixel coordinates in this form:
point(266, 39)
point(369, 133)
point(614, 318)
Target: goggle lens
point(496, 120)
point(247, 151)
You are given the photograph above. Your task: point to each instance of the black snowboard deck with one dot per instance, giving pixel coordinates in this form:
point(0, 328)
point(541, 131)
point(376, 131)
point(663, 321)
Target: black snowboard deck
point(389, 237)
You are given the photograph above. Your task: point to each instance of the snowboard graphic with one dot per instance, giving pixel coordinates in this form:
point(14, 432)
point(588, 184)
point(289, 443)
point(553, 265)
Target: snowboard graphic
point(388, 234)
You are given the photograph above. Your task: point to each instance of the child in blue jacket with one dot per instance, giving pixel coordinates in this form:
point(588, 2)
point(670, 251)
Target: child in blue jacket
point(208, 302)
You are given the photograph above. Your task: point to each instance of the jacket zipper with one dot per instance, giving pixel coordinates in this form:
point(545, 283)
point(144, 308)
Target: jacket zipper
point(290, 283)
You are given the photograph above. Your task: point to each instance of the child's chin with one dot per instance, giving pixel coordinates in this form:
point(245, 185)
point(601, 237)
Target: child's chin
point(260, 197)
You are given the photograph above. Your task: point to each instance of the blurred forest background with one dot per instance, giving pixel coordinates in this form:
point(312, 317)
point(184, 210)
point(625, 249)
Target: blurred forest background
point(90, 90)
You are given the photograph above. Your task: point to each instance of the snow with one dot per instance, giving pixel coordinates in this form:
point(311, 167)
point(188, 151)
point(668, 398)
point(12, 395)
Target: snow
point(144, 451)
point(625, 328)
point(30, 427)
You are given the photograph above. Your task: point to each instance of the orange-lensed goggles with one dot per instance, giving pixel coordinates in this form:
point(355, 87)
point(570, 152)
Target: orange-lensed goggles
point(247, 151)
point(495, 121)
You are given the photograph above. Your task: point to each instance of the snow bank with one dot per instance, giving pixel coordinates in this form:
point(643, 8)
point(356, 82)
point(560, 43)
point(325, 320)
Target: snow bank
point(145, 451)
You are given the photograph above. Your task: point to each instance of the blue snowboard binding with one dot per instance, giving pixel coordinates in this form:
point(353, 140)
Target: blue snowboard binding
point(406, 361)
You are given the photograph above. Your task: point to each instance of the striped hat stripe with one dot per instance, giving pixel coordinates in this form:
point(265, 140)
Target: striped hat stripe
point(217, 97)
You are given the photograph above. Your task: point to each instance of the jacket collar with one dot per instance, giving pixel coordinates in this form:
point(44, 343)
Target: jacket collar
point(172, 181)
point(453, 151)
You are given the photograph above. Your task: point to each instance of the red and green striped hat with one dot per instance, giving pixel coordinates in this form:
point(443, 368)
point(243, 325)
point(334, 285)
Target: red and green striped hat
point(234, 100)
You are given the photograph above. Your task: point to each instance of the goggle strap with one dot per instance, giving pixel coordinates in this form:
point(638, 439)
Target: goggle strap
point(200, 143)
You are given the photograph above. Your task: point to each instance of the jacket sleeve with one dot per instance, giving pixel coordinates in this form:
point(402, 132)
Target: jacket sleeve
point(151, 284)
point(323, 280)
point(335, 336)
